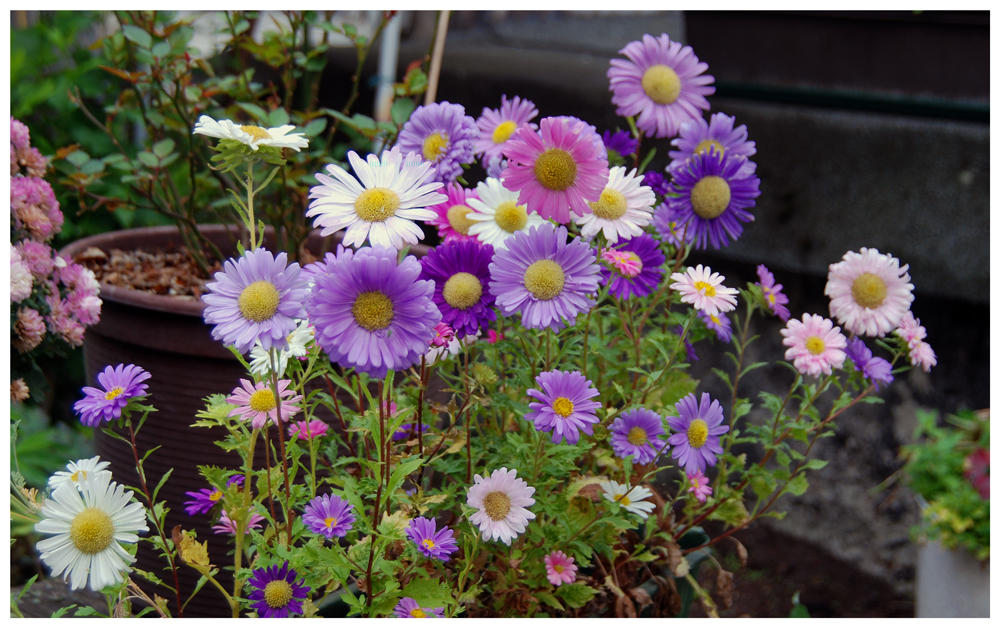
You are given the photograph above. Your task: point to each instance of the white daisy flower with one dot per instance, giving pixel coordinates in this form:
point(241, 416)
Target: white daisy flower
point(252, 136)
point(869, 292)
point(501, 502)
point(89, 526)
point(703, 289)
point(624, 208)
point(394, 194)
point(496, 215)
point(298, 341)
point(631, 499)
point(79, 470)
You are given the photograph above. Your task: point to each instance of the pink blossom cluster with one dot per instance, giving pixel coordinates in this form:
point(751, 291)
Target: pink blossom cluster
point(22, 154)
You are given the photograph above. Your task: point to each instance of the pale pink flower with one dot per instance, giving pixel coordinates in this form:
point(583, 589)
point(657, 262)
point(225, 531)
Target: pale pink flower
point(29, 330)
point(306, 430)
point(702, 288)
point(699, 486)
point(20, 277)
point(501, 502)
point(227, 526)
point(910, 329)
point(922, 355)
point(815, 345)
point(257, 404)
point(559, 568)
point(869, 292)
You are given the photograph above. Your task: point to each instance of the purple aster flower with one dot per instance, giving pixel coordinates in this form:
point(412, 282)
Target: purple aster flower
point(328, 515)
point(121, 383)
point(697, 431)
point(670, 228)
point(236, 479)
point(657, 181)
point(443, 135)
point(276, 592)
point(408, 609)
point(644, 273)
point(370, 313)
point(713, 197)
point(719, 323)
point(775, 299)
point(662, 82)
point(544, 277)
point(688, 347)
point(621, 142)
point(203, 501)
point(496, 167)
point(257, 298)
point(564, 405)
point(403, 432)
point(878, 370)
point(697, 136)
point(460, 271)
point(637, 433)
point(496, 127)
point(431, 542)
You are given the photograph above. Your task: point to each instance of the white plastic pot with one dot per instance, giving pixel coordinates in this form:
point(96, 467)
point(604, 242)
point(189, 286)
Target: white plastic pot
point(951, 583)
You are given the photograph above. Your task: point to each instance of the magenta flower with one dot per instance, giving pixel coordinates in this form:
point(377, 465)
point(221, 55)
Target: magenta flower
point(492, 336)
point(431, 542)
point(559, 568)
point(773, 296)
point(443, 135)
point(815, 345)
point(640, 271)
point(228, 526)
point(121, 384)
point(699, 486)
point(408, 608)
point(329, 515)
point(451, 221)
point(256, 402)
point(637, 433)
point(307, 430)
point(913, 333)
point(563, 405)
point(496, 127)
point(697, 431)
point(276, 592)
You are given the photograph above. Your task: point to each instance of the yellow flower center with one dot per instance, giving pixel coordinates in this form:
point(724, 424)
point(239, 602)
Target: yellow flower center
point(661, 84)
point(610, 206)
point(329, 522)
point(697, 433)
point(376, 205)
point(562, 406)
point(815, 345)
point(622, 499)
point(510, 216)
point(545, 279)
point(869, 290)
point(636, 266)
point(704, 145)
point(259, 301)
point(217, 494)
point(76, 476)
point(558, 569)
point(705, 288)
point(418, 613)
point(636, 436)
point(497, 505)
point(710, 197)
point(277, 593)
point(428, 543)
point(715, 319)
point(555, 169)
point(462, 290)
point(255, 132)
point(372, 310)
point(92, 531)
point(503, 131)
point(457, 219)
point(434, 146)
point(114, 393)
point(262, 400)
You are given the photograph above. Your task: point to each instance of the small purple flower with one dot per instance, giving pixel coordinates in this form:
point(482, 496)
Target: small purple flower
point(697, 431)
point(670, 228)
point(443, 135)
point(563, 405)
point(719, 323)
point(329, 515)
point(236, 479)
point(276, 593)
point(657, 181)
point(121, 383)
point(878, 370)
point(647, 255)
point(431, 542)
point(775, 299)
point(637, 433)
point(460, 270)
point(408, 608)
point(496, 127)
point(621, 142)
point(688, 347)
point(203, 501)
point(403, 432)
point(697, 136)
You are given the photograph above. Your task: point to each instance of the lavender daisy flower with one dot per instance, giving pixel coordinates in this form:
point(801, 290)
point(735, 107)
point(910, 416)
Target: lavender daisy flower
point(656, 180)
point(697, 136)
point(697, 431)
point(643, 275)
point(431, 542)
point(371, 314)
point(256, 298)
point(621, 142)
point(276, 593)
point(713, 197)
point(443, 135)
point(670, 228)
point(328, 515)
point(203, 501)
point(719, 323)
point(121, 383)
point(878, 370)
point(637, 433)
point(775, 299)
point(564, 405)
point(544, 278)
point(408, 608)
point(496, 127)
point(662, 82)
point(460, 271)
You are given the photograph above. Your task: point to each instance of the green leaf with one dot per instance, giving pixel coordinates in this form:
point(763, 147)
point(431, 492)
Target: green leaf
point(763, 484)
point(815, 464)
point(315, 127)
point(259, 114)
point(161, 49)
point(576, 594)
point(148, 159)
point(799, 611)
point(278, 117)
point(78, 158)
point(62, 611)
point(428, 592)
point(548, 598)
point(401, 110)
point(137, 36)
point(798, 485)
point(164, 148)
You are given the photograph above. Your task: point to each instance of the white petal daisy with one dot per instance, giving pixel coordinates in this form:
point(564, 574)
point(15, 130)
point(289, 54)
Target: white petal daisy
point(79, 470)
point(89, 526)
point(496, 215)
point(703, 289)
point(252, 136)
point(631, 499)
point(392, 194)
point(623, 209)
point(501, 502)
point(298, 341)
point(869, 292)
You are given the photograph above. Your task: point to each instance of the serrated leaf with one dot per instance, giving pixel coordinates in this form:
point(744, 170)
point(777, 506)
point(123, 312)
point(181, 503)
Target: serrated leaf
point(428, 592)
point(547, 598)
point(576, 595)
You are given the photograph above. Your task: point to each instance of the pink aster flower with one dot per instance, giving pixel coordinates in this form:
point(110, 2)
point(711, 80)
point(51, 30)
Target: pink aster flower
point(699, 486)
point(20, 136)
point(451, 220)
point(815, 345)
point(559, 568)
point(703, 289)
point(306, 430)
point(493, 337)
point(869, 292)
point(773, 296)
point(910, 328)
point(443, 335)
point(922, 355)
point(227, 526)
point(38, 257)
point(557, 172)
point(662, 82)
point(256, 403)
point(29, 330)
point(497, 126)
point(501, 500)
point(20, 277)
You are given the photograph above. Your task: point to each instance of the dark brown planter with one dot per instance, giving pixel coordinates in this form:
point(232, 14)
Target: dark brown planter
point(167, 336)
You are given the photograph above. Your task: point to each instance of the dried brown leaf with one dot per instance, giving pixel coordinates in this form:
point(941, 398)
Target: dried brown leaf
point(724, 587)
point(741, 551)
point(624, 607)
point(641, 597)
